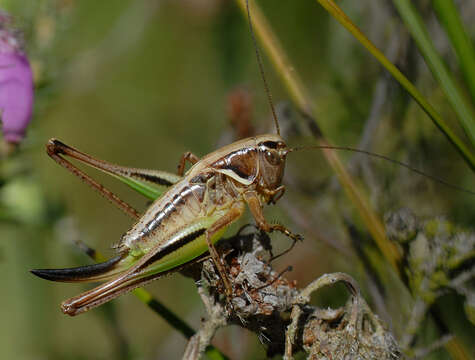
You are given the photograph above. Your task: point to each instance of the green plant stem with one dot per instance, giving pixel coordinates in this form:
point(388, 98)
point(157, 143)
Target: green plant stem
point(450, 19)
point(164, 312)
point(341, 17)
point(454, 347)
point(414, 23)
point(156, 306)
point(303, 101)
point(305, 104)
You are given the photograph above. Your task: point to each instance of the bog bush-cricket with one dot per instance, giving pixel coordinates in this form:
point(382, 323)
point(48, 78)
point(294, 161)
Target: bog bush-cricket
point(190, 214)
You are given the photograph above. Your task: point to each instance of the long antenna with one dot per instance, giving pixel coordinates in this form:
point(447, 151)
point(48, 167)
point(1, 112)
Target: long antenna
point(400, 163)
point(346, 148)
point(261, 69)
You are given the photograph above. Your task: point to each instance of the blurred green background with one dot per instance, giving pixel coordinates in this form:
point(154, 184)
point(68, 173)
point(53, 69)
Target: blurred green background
point(140, 82)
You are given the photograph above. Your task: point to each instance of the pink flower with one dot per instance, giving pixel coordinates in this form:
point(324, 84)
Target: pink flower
point(16, 86)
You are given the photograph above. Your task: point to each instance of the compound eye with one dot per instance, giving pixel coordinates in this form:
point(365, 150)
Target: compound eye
point(273, 157)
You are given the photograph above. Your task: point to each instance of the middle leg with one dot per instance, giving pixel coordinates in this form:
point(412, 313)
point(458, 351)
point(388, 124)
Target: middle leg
point(188, 156)
point(234, 213)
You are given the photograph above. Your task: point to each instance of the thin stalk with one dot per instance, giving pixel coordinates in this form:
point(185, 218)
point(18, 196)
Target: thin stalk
point(156, 306)
point(305, 104)
point(414, 23)
point(454, 347)
point(303, 101)
point(341, 17)
point(449, 17)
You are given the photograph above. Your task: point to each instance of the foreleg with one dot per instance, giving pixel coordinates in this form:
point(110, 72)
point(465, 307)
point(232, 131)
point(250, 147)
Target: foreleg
point(255, 206)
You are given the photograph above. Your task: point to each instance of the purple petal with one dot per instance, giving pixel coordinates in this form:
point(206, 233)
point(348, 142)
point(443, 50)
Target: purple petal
point(16, 95)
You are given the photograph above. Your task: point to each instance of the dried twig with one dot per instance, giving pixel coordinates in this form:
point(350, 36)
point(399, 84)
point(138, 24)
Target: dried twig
point(262, 300)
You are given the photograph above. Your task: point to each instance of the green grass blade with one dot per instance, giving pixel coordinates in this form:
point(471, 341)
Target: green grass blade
point(341, 17)
point(304, 102)
point(416, 26)
point(169, 316)
point(450, 19)
point(454, 347)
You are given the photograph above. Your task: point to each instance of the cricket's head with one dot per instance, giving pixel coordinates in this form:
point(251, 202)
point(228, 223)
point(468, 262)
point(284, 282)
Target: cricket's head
point(272, 152)
point(258, 160)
